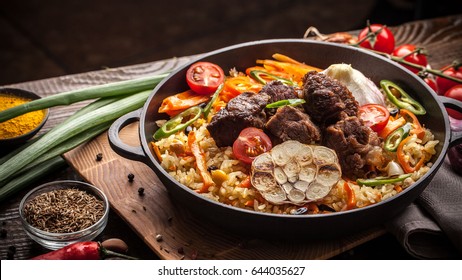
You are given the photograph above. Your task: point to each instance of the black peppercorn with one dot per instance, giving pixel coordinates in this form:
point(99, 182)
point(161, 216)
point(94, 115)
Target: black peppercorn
point(141, 191)
point(212, 167)
point(131, 176)
point(99, 157)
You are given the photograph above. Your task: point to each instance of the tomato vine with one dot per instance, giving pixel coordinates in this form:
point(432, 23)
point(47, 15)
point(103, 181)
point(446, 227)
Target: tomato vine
point(341, 37)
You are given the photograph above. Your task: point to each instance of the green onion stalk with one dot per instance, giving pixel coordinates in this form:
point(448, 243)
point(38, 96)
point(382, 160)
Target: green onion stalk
point(68, 129)
point(94, 92)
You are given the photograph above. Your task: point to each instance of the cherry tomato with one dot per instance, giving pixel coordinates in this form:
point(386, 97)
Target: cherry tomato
point(374, 116)
point(445, 84)
point(204, 77)
point(384, 41)
point(416, 58)
point(251, 143)
point(431, 82)
point(456, 93)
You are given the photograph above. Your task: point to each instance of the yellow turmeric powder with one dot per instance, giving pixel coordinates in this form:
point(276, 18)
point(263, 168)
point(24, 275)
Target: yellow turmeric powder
point(21, 124)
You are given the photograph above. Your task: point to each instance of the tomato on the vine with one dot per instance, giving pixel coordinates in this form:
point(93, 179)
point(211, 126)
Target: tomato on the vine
point(431, 83)
point(445, 84)
point(456, 93)
point(204, 77)
point(384, 41)
point(251, 143)
point(406, 51)
point(374, 116)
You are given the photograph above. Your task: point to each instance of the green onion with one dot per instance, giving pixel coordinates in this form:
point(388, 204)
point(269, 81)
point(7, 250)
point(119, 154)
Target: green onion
point(29, 172)
point(69, 129)
point(285, 102)
point(52, 160)
point(69, 144)
point(93, 106)
point(69, 97)
point(20, 182)
point(88, 108)
point(377, 181)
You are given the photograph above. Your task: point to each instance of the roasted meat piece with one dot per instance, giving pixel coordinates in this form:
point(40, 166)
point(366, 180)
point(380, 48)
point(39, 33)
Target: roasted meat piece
point(352, 141)
point(278, 91)
point(245, 110)
point(327, 100)
point(289, 123)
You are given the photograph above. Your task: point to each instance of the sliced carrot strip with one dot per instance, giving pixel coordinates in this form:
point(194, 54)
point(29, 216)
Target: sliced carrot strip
point(200, 162)
point(179, 102)
point(351, 201)
point(156, 151)
point(391, 126)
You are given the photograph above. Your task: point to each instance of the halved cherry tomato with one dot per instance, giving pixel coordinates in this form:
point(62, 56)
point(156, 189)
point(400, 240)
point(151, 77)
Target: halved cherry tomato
point(445, 84)
point(204, 77)
point(384, 41)
point(456, 93)
point(374, 116)
point(416, 57)
point(251, 142)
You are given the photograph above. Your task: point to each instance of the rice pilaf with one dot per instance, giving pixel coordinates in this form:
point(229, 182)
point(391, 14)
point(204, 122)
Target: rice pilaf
point(182, 168)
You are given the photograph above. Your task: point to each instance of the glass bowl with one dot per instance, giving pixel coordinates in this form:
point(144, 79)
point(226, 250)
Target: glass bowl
point(21, 139)
point(51, 240)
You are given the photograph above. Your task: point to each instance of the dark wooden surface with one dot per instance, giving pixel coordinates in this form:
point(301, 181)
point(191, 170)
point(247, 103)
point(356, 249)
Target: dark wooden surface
point(442, 37)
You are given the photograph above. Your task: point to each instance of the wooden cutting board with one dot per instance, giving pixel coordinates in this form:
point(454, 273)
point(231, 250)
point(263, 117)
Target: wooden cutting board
point(169, 229)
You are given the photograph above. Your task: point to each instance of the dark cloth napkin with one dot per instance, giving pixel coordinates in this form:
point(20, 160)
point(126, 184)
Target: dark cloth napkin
point(431, 227)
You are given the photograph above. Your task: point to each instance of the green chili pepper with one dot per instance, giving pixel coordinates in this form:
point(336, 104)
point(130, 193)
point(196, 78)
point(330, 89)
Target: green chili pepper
point(290, 102)
point(256, 74)
point(177, 123)
point(208, 107)
point(400, 98)
point(377, 181)
point(393, 140)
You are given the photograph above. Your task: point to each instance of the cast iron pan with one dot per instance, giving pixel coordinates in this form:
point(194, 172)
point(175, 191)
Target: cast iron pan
point(320, 54)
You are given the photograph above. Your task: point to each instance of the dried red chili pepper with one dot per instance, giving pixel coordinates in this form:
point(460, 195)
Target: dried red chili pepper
point(85, 250)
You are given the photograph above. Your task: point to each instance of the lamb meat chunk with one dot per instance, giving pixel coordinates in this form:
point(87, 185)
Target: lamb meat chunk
point(352, 141)
point(290, 123)
point(245, 110)
point(327, 100)
point(278, 91)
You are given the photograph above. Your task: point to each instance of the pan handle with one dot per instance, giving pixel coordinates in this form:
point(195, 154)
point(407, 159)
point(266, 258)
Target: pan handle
point(456, 125)
point(125, 150)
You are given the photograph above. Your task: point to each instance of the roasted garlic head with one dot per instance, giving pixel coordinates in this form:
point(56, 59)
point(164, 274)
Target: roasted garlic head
point(295, 173)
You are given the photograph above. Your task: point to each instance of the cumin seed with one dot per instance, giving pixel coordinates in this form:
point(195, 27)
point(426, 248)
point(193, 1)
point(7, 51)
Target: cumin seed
point(64, 210)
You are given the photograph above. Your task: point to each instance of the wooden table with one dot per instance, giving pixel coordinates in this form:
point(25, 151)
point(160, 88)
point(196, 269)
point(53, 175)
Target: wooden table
point(442, 37)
